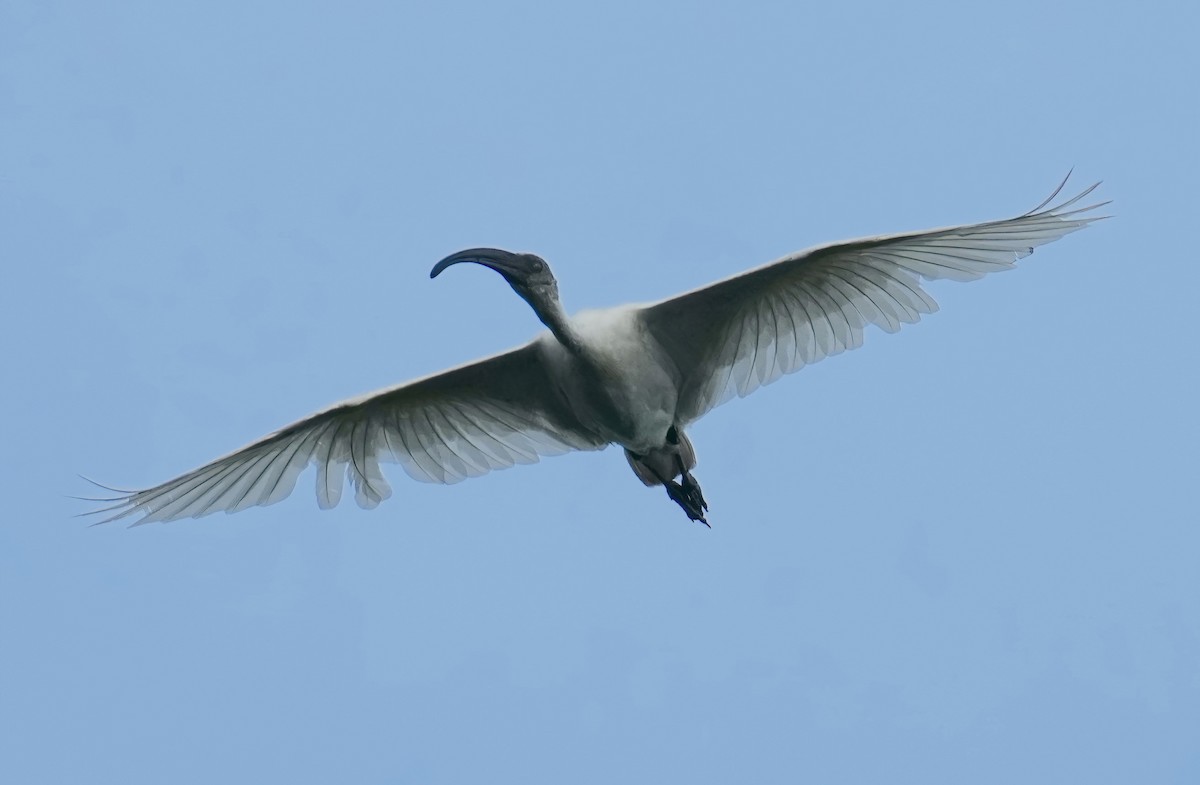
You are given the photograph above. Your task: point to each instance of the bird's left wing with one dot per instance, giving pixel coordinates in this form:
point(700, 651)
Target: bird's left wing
point(746, 331)
point(490, 414)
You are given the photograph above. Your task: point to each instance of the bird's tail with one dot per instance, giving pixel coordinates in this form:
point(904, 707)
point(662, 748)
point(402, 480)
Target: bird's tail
point(664, 463)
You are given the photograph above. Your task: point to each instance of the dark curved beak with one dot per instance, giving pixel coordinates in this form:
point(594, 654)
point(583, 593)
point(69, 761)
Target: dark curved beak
point(504, 262)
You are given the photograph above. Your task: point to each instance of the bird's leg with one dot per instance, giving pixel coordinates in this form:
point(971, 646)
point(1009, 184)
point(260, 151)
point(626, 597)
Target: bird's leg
point(692, 489)
point(689, 499)
point(687, 496)
point(693, 504)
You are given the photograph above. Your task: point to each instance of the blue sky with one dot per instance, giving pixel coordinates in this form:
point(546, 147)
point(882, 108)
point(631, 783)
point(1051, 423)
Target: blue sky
point(965, 552)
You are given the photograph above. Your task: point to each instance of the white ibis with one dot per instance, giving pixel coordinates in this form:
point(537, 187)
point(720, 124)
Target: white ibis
point(633, 375)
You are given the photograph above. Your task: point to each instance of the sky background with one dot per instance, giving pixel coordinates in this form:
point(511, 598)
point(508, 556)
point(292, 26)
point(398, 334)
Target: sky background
point(965, 552)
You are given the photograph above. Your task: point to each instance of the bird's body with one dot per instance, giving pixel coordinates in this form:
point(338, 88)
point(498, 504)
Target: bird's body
point(623, 388)
point(634, 376)
point(618, 382)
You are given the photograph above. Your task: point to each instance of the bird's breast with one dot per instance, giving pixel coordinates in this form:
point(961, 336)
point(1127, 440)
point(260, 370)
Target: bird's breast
point(618, 386)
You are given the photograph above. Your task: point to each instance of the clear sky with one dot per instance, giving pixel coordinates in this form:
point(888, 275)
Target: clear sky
point(963, 553)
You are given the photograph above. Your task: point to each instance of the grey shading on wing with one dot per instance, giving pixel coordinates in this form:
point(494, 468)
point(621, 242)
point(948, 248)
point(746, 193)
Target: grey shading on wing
point(736, 335)
point(490, 414)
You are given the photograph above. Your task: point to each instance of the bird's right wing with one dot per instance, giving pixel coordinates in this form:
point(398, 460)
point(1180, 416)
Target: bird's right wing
point(746, 331)
point(490, 414)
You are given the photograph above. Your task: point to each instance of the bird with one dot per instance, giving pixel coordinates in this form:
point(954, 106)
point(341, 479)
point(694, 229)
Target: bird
point(635, 376)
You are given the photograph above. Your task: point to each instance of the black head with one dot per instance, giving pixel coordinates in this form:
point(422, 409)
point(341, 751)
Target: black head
point(527, 274)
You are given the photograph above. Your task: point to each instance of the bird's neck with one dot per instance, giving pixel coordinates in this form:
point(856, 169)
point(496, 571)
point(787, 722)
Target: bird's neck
point(551, 313)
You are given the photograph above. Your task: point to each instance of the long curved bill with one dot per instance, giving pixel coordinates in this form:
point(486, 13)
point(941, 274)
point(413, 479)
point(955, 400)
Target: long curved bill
point(504, 262)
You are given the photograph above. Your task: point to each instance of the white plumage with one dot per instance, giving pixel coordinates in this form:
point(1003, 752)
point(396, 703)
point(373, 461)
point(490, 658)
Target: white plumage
point(633, 375)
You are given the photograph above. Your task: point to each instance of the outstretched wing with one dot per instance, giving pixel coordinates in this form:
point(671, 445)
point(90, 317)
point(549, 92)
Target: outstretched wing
point(467, 421)
point(746, 331)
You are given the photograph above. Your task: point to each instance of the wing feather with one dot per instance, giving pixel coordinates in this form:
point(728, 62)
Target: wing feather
point(736, 335)
point(465, 422)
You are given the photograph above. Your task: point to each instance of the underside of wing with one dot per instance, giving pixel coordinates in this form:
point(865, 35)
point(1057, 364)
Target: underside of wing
point(487, 415)
point(738, 334)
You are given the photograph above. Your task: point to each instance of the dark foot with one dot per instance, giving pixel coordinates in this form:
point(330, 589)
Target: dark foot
point(688, 497)
point(692, 487)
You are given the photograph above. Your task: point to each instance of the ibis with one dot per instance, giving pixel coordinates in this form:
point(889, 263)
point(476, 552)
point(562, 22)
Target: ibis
point(634, 375)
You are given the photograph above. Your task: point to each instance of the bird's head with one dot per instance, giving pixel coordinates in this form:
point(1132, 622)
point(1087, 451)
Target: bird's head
point(527, 274)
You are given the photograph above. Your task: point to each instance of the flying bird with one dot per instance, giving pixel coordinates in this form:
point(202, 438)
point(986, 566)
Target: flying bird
point(635, 375)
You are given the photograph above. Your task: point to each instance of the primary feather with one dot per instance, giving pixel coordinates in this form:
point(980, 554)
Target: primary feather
point(735, 335)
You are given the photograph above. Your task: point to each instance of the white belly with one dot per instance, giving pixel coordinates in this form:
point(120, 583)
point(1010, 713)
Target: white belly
point(621, 388)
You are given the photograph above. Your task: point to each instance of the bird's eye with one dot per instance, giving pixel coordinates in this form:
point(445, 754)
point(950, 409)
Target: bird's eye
point(537, 265)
